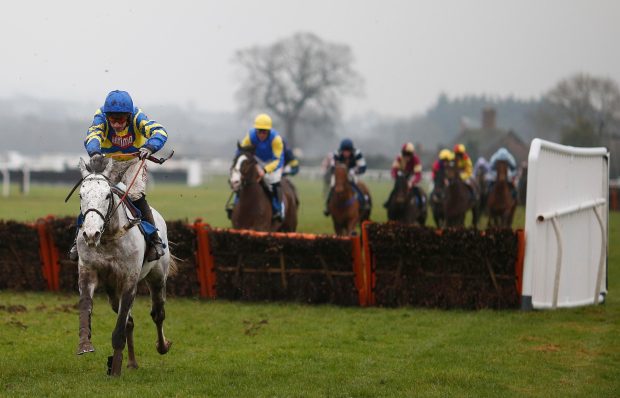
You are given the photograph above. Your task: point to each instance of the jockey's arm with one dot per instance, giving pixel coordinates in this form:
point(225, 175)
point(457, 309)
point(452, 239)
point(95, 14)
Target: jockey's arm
point(154, 132)
point(96, 134)
point(360, 163)
point(276, 148)
point(467, 169)
point(417, 173)
point(395, 167)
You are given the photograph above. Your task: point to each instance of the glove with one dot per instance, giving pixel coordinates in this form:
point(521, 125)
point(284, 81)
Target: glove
point(144, 153)
point(96, 162)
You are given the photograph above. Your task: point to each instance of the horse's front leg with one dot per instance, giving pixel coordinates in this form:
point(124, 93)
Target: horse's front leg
point(158, 313)
point(87, 282)
point(119, 335)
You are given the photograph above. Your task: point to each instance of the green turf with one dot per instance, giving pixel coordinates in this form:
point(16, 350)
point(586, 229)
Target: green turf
point(275, 349)
point(176, 202)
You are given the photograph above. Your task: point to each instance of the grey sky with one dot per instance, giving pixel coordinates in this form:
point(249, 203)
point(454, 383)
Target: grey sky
point(407, 51)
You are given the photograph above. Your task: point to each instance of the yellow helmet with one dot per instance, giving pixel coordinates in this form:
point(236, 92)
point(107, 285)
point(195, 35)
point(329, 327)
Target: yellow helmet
point(459, 148)
point(262, 122)
point(446, 154)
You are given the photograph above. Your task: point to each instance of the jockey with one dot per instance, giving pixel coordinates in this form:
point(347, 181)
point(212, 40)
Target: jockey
point(502, 154)
point(291, 164)
point(464, 165)
point(355, 162)
point(269, 152)
point(407, 163)
point(445, 155)
point(119, 128)
point(463, 162)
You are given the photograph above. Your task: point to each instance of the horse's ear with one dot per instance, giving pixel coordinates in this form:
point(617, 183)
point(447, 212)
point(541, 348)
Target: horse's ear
point(239, 145)
point(108, 167)
point(83, 169)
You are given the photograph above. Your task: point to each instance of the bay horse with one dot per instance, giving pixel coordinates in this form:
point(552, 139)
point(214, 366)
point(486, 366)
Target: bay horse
point(501, 203)
point(253, 209)
point(344, 205)
point(112, 252)
point(437, 198)
point(458, 198)
point(403, 205)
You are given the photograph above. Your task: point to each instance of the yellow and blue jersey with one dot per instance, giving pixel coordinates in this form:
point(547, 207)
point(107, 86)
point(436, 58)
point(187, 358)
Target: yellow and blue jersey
point(139, 132)
point(270, 151)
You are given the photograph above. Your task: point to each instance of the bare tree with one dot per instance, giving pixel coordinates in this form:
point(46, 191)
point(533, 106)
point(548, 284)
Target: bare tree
point(584, 109)
point(299, 80)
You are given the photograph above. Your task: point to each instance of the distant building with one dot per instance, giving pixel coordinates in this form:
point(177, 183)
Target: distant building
point(488, 138)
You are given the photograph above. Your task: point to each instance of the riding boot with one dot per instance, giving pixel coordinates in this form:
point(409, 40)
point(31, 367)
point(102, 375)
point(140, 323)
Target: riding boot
point(389, 199)
point(155, 247)
point(329, 196)
point(230, 205)
point(276, 191)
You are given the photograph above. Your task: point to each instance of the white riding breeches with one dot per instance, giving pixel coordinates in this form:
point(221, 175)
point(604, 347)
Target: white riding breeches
point(124, 171)
point(273, 177)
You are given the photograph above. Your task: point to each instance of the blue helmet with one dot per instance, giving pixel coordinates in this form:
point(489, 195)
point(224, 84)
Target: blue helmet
point(346, 144)
point(118, 102)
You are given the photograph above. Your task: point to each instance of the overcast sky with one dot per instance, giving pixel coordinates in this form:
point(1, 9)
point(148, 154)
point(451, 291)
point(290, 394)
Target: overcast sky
point(407, 51)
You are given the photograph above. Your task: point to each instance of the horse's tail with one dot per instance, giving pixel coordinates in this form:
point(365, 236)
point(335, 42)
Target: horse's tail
point(173, 268)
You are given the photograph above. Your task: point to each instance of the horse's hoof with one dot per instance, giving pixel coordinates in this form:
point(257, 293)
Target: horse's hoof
point(165, 348)
point(83, 348)
point(132, 365)
point(115, 363)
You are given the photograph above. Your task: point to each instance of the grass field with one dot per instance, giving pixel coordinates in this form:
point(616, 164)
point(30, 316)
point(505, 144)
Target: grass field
point(276, 349)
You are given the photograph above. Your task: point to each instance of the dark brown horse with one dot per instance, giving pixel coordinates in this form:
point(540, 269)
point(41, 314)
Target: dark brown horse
point(437, 198)
point(344, 205)
point(459, 198)
point(501, 203)
point(404, 205)
point(253, 209)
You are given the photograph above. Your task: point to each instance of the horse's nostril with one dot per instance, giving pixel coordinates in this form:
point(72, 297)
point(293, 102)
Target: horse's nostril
point(97, 235)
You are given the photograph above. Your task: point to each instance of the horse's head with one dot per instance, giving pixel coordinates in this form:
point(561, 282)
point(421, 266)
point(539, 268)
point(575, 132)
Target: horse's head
point(341, 177)
point(96, 202)
point(451, 171)
point(400, 189)
point(244, 168)
point(501, 168)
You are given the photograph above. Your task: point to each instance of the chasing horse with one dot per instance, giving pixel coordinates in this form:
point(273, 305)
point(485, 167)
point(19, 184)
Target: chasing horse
point(344, 203)
point(348, 199)
point(502, 198)
point(459, 197)
point(407, 201)
point(439, 186)
point(254, 201)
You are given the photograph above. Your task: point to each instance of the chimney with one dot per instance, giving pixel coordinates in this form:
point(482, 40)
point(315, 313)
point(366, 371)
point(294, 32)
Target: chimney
point(489, 116)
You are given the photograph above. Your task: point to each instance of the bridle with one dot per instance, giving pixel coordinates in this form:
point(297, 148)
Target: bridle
point(106, 218)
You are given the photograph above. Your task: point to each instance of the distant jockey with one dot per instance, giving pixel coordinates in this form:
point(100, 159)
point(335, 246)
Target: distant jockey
point(481, 167)
point(269, 153)
point(356, 164)
point(445, 156)
point(463, 162)
point(291, 164)
point(502, 154)
point(119, 128)
point(408, 164)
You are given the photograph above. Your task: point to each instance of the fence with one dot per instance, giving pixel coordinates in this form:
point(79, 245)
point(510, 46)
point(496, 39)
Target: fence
point(566, 226)
point(389, 265)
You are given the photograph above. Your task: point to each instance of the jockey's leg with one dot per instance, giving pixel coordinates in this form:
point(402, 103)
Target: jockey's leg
point(389, 199)
point(329, 197)
point(273, 181)
point(276, 202)
point(73, 253)
point(364, 203)
point(155, 247)
point(230, 205)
